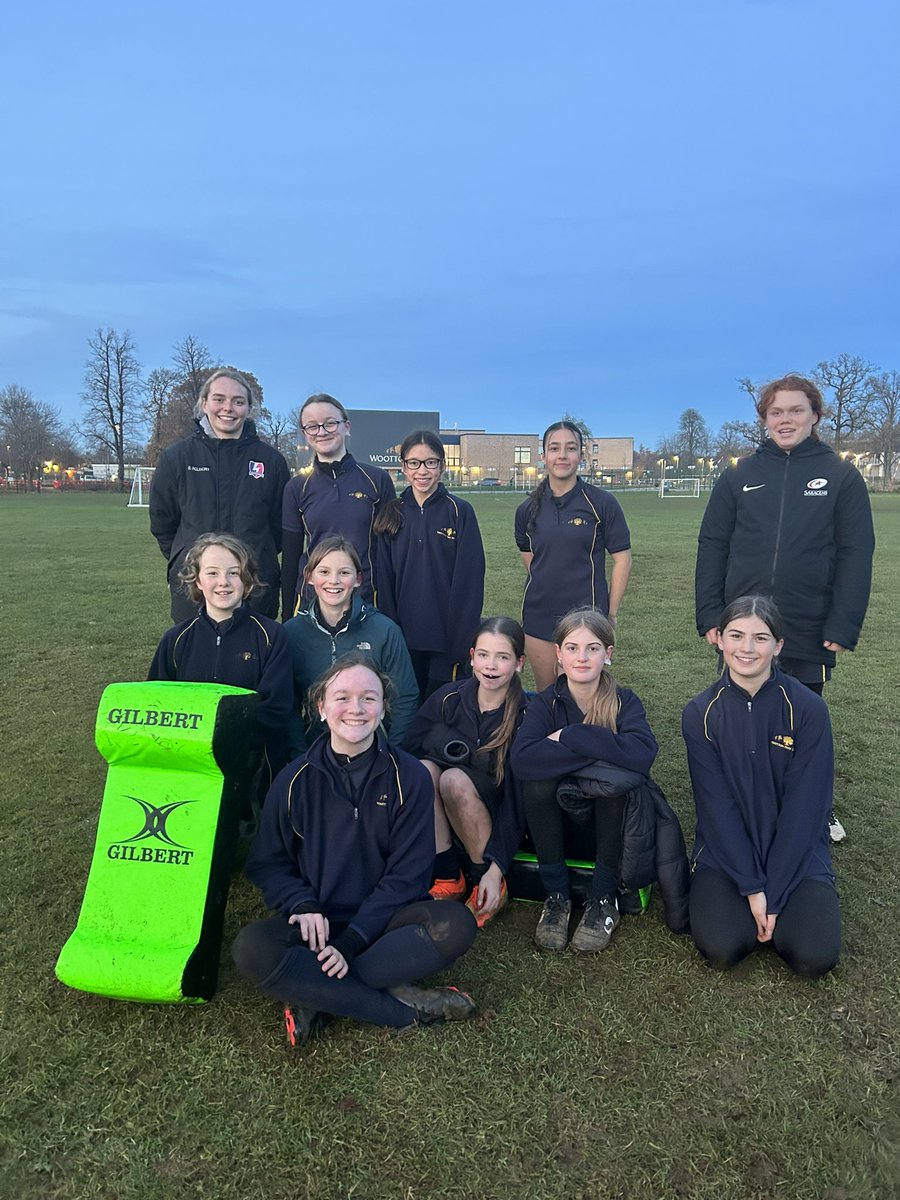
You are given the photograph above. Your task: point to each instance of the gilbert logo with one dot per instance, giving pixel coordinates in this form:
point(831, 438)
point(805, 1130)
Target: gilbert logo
point(154, 830)
point(816, 487)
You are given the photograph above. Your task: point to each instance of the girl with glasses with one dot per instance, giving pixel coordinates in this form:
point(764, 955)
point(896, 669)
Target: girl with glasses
point(430, 565)
point(337, 497)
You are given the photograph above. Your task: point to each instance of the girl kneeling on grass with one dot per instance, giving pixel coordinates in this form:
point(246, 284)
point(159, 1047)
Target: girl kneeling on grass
point(761, 758)
point(582, 719)
point(344, 855)
point(463, 734)
point(336, 622)
point(227, 642)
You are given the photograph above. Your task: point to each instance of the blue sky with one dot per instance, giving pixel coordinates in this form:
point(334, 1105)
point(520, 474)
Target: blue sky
point(501, 211)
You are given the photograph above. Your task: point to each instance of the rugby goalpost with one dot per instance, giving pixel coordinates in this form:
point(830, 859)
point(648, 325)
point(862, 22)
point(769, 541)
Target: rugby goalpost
point(675, 489)
point(140, 487)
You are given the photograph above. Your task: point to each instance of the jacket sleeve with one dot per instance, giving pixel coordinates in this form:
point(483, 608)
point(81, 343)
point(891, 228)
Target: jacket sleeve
point(522, 540)
point(718, 816)
point(276, 512)
point(466, 584)
point(385, 575)
point(509, 823)
point(854, 539)
point(535, 756)
point(423, 721)
point(805, 805)
point(165, 507)
point(292, 542)
point(273, 864)
point(163, 665)
point(713, 549)
point(396, 662)
point(276, 683)
point(632, 744)
point(410, 861)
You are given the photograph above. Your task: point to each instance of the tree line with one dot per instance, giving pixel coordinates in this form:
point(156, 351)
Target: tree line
point(129, 415)
point(862, 418)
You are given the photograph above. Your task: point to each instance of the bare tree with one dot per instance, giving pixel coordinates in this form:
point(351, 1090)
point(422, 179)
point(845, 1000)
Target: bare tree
point(692, 436)
point(112, 395)
point(158, 388)
point(845, 377)
point(192, 362)
point(736, 438)
point(884, 412)
point(29, 430)
point(278, 429)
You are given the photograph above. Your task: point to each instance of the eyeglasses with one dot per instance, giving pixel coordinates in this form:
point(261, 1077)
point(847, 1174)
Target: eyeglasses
point(328, 426)
point(413, 464)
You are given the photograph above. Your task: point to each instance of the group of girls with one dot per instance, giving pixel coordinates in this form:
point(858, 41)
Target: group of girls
point(382, 814)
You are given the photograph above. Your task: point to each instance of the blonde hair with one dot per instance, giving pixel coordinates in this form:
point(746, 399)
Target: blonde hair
point(605, 704)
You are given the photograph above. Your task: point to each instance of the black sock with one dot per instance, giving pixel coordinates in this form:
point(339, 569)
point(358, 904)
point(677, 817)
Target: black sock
point(446, 864)
point(477, 872)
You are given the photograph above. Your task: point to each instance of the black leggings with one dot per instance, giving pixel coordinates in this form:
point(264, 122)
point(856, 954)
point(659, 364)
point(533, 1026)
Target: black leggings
point(421, 939)
point(546, 824)
point(807, 933)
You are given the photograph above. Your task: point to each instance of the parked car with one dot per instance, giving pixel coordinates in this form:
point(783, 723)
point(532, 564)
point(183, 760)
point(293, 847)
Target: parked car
point(489, 483)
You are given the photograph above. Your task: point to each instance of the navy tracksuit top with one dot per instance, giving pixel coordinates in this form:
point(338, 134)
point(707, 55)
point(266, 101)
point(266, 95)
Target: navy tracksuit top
point(456, 706)
point(631, 745)
point(355, 859)
point(430, 575)
point(762, 770)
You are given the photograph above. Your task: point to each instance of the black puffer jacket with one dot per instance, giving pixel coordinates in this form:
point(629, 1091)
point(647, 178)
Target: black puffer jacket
point(653, 848)
point(797, 527)
point(205, 484)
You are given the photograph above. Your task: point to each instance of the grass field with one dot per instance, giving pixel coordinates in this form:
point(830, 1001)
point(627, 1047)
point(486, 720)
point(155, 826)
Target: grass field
point(636, 1075)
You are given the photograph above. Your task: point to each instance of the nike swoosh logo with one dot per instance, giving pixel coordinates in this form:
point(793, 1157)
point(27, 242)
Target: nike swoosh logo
point(753, 487)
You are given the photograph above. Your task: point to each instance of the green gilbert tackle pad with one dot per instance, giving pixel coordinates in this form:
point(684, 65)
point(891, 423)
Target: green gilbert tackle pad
point(181, 760)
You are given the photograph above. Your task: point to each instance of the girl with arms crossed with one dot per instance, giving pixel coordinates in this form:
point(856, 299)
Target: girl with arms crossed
point(564, 531)
point(761, 759)
point(430, 565)
point(581, 719)
point(344, 856)
point(463, 734)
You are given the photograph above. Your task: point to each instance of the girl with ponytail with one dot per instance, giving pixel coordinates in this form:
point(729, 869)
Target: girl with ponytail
point(463, 734)
point(564, 531)
point(582, 719)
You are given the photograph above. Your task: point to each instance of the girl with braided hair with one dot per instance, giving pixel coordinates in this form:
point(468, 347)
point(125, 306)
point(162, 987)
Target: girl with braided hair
point(564, 531)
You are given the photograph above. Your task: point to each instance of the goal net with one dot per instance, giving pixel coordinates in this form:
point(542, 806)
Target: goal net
point(671, 489)
point(140, 487)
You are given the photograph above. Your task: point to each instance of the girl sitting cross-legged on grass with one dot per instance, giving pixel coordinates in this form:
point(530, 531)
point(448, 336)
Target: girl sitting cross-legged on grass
point(761, 758)
point(582, 720)
point(227, 642)
point(463, 734)
point(344, 855)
